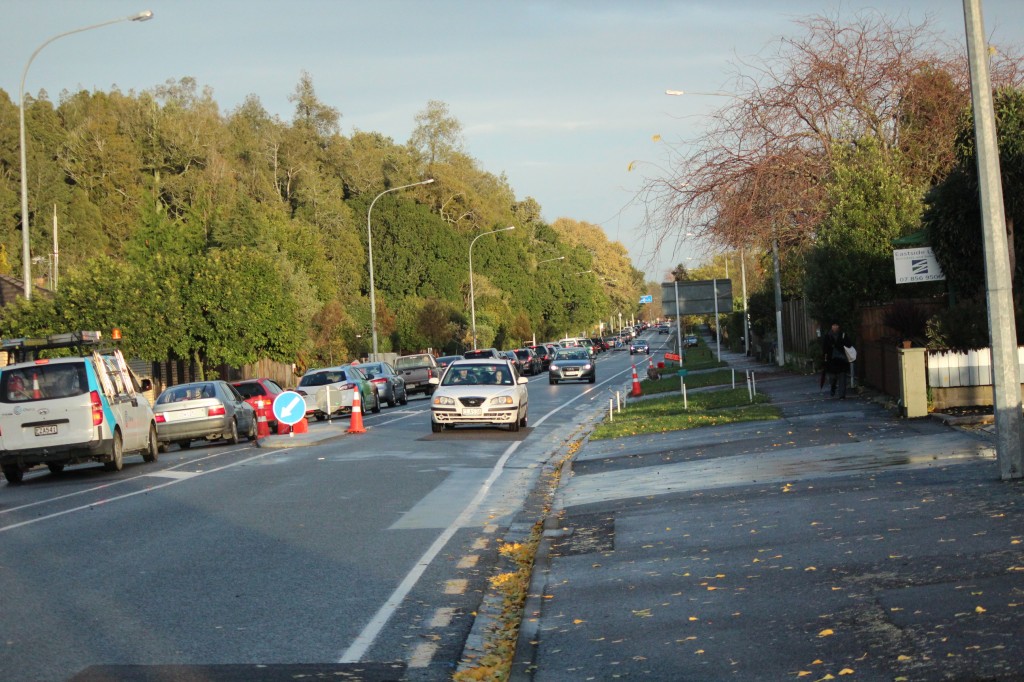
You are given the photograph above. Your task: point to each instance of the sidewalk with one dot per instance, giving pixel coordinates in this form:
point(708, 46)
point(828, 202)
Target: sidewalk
point(837, 541)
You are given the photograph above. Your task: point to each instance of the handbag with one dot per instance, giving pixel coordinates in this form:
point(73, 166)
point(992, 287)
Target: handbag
point(851, 353)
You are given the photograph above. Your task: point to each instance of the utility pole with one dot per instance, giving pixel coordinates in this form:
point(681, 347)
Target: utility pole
point(998, 283)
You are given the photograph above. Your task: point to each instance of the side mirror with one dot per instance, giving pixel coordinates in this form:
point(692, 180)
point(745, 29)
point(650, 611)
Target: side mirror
point(146, 385)
point(523, 380)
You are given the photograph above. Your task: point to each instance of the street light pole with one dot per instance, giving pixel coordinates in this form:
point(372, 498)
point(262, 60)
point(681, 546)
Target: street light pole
point(26, 255)
point(472, 295)
point(369, 252)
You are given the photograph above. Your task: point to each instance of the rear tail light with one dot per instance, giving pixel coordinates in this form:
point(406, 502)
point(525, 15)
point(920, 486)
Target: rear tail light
point(160, 419)
point(97, 408)
point(378, 381)
point(348, 387)
point(430, 373)
point(215, 411)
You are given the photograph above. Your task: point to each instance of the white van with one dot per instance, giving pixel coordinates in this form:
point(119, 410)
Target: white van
point(70, 410)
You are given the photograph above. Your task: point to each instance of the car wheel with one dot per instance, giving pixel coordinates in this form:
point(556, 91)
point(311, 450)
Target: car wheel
point(252, 430)
point(116, 462)
point(404, 400)
point(391, 398)
point(184, 444)
point(55, 467)
point(592, 379)
point(514, 426)
point(522, 422)
point(376, 403)
point(435, 427)
point(13, 473)
point(553, 381)
point(152, 446)
point(233, 434)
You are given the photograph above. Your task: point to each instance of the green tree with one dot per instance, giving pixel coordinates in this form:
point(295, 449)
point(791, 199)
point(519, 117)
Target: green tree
point(869, 205)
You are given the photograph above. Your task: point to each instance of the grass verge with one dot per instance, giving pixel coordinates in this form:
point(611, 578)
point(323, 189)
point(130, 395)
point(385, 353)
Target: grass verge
point(703, 409)
point(669, 380)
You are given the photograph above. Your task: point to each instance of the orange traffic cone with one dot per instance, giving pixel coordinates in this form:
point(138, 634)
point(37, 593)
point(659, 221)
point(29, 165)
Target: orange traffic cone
point(262, 425)
point(636, 384)
point(301, 426)
point(355, 424)
point(36, 395)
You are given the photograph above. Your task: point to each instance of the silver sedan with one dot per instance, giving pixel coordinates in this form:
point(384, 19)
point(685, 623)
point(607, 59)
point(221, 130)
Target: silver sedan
point(211, 410)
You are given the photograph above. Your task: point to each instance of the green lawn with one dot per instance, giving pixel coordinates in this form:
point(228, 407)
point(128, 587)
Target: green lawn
point(711, 408)
point(669, 380)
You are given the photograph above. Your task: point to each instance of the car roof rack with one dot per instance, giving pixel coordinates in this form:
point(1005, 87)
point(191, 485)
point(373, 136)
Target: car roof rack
point(26, 349)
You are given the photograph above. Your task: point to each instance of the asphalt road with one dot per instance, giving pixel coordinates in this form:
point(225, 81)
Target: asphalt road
point(365, 555)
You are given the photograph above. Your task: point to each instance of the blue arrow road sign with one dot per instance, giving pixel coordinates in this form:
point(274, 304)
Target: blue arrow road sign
point(647, 299)
point(289, 408)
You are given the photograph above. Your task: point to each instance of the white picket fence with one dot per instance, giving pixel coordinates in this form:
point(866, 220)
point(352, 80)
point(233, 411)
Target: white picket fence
point(973, 368)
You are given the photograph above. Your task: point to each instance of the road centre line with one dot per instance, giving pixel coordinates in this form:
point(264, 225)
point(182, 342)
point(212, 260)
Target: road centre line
point(373, 628)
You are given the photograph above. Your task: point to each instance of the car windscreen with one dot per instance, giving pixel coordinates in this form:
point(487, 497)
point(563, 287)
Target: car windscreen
point(250, 390)
point(412, 362)
point(523, 354)
point(43, 382)
point(478, 375)
point(177, 394)
point(322, 378)
point(478, 354)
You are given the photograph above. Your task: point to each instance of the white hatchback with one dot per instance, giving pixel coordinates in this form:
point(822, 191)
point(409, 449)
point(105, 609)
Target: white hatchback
point(479, 392)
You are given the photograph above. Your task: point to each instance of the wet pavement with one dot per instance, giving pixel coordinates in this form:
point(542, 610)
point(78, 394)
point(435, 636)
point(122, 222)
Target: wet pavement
point(838, 541)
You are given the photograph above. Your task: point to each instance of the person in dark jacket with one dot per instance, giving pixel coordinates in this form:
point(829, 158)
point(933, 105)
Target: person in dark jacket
point(837, 366)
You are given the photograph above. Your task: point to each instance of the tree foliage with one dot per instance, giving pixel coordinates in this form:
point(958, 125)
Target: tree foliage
point(223, 238)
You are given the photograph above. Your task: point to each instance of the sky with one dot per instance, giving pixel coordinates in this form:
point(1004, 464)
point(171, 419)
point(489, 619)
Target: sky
point(560, 96)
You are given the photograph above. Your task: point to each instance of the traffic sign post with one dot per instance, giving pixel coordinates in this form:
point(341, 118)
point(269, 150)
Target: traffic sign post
point(289, 408)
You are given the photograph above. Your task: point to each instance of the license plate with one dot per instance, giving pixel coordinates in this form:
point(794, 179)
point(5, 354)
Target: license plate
point(472, 411)
point(179, 415)
point(411, 385)
point(50, 430)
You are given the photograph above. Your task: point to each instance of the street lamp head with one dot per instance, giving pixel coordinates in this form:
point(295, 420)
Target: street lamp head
point(143, 16)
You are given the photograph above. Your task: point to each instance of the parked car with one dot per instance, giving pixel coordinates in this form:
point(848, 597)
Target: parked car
point(210, 410)
point(71, 410)
point(417, 370)
point(480, 392)
point(256, 390)
point(572, 364)
point(663, 329)
point(528, 362)
point(483, 354)
point(639, 346)
point(330, 390)
point(691, 341)
point(445, 360)
point(390, 384)
point(544, 354)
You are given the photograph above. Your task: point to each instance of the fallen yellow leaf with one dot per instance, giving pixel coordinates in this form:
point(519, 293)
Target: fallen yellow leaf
point(577, 621)
point(826, 633)
point(903, 658)
point(699, 652)
point(810, 568)
point(846, 671)
point(979, 609)
point(693, 618)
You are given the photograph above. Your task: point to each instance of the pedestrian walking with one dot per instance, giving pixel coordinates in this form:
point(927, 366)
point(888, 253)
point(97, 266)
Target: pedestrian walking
point(834, 344)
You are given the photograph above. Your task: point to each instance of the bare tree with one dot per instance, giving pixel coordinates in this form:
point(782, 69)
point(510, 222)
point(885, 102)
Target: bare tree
point(756, 172)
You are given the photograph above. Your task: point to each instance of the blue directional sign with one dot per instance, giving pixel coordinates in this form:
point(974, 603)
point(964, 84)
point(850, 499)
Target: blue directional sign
point(289, 408)
point(647, 299)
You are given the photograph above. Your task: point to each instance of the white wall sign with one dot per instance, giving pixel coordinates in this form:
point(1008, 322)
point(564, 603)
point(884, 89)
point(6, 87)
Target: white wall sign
point(916, 265)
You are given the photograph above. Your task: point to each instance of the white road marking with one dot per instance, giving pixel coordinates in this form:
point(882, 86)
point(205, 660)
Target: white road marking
point(372, 630)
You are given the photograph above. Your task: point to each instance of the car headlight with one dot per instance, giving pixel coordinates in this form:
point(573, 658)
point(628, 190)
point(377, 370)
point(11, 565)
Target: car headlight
point(587, 366)
point(552, 366)
point(502, 400)
point(443, 400)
